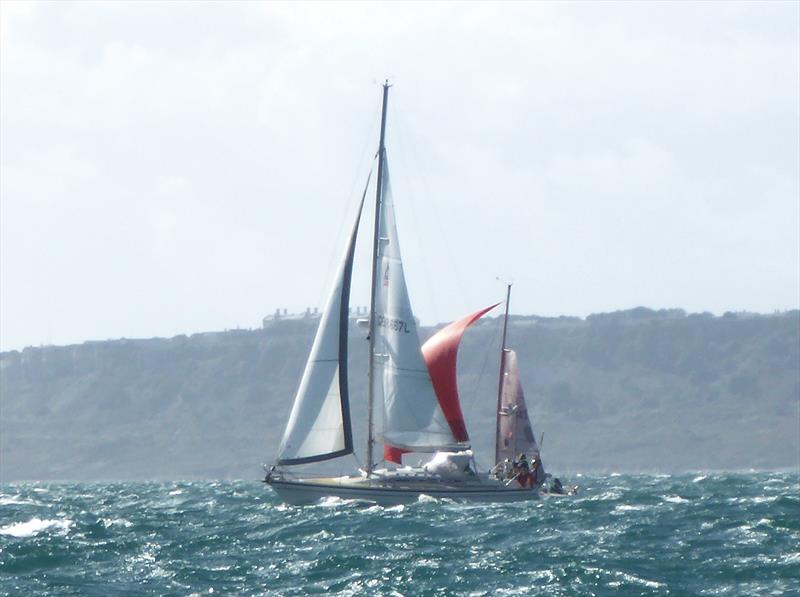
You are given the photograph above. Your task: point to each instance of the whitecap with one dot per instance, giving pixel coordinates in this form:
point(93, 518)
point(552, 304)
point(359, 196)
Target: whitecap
point(110, 522)
point(674, 499)
point(747, 535)
point(427, 563)
point(630, 508)
point(176, 492)
point(650, 584)
point(34, 526)
point(282, 507)
point(791, 558)
point(10, 501)
point(606, 495)
point(629, 578)
point(764, 522)
point(759, 499)
point(699, 478)
point(546, 576)
point(334, 501)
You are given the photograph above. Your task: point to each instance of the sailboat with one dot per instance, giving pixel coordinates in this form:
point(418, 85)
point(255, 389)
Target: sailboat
point(414, 384)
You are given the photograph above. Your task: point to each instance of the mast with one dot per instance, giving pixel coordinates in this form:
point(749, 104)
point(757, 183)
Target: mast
point(375, 247)
point(502, 375)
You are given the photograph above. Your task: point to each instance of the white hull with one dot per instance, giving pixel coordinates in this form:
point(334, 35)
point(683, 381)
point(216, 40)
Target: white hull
point(309, 491)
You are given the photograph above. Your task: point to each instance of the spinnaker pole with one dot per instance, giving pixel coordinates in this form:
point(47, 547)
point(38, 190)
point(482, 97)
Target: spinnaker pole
point(375, 248)
point(502, 377)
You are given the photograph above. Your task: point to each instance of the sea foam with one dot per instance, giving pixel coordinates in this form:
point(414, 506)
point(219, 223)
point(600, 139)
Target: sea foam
point(34, 526)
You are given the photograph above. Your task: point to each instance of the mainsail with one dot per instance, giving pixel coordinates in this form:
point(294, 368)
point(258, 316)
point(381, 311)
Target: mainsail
point(319, 425)
point(412, 417)
point(515, 435)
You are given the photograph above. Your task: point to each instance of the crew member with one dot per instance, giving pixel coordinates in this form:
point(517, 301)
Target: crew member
point(524, 472)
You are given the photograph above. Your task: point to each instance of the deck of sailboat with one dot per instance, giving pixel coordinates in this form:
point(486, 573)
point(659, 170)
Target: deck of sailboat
point(399, 490)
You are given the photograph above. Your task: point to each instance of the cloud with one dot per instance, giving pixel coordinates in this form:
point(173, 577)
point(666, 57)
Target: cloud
point(193, 166)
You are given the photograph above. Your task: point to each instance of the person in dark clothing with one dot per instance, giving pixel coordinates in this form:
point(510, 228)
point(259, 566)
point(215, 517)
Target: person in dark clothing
point(556, 487)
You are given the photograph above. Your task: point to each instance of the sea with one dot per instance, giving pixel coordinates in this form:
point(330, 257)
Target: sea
point(690, 534)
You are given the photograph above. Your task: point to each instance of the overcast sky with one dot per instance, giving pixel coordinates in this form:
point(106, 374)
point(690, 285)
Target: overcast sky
point(172, 168)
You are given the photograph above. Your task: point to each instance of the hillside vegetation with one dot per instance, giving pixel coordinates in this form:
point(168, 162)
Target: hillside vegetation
point(636, 390)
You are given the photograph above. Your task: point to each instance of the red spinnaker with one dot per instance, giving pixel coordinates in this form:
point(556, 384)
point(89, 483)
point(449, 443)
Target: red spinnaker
point(441, 353)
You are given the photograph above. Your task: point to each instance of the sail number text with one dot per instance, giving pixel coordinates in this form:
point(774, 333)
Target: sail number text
point(397, 325)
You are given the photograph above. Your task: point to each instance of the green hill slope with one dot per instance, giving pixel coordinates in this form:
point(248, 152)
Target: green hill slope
point(633, 390)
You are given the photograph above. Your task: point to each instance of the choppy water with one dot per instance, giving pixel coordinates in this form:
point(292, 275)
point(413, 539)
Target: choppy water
point(629, 535)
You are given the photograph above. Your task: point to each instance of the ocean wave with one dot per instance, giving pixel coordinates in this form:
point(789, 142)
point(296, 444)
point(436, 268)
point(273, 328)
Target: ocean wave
point(790, 558)
point(34, 526)
point(757, 499)
point(336, 502)
point(120, 522)
point(621, 578)
point(12, 501)
point(377, 508)
point(628, 534)
point(609, 495)
point(631, 508)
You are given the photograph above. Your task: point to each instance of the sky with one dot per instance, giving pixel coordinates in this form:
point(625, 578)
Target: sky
point(172, 168)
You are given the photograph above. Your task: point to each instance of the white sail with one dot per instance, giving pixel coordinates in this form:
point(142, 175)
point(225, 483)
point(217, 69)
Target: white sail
point(319, 425)
point(412, 417)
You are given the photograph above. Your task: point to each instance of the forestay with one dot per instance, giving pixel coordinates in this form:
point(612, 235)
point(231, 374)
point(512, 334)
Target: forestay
point(319, 425)
point(412, 417)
